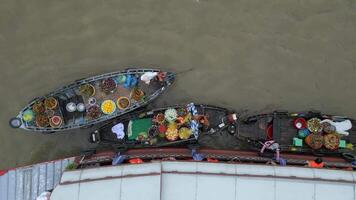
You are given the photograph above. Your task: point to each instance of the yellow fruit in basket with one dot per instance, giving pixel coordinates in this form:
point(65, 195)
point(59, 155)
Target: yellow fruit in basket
point(108, 107)
point(185, 133)
point(172, 132)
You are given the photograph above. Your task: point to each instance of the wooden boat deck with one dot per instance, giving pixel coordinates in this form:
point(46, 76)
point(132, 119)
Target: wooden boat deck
point(106, 136)
point(284, 132)
point(283, 129)
point(71, 117)
point(255, 128)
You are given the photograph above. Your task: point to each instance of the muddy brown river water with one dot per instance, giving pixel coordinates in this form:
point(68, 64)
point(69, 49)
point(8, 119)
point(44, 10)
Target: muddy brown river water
point(241, 54)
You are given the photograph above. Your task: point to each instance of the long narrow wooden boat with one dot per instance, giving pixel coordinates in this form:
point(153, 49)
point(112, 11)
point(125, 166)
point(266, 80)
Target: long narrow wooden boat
point(300, 133)
point(176, 125)
point(92, 100)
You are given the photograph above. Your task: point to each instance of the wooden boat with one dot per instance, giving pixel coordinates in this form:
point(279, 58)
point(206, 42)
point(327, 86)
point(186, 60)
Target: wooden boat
point(157, 128)
point(304, 138)
point(92, 100)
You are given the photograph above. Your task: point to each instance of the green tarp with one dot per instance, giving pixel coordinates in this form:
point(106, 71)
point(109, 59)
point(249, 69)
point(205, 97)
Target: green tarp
point(139, 127)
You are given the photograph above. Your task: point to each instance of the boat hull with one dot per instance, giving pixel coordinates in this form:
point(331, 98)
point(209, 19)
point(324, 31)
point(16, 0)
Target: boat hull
point(254, 132)
point(72, 93)
point(105, 136)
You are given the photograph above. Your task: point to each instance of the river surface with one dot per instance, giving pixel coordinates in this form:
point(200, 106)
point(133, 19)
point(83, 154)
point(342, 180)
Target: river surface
point(242, 54)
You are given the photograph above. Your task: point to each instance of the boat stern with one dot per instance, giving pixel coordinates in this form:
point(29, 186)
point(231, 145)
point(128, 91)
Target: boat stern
point(170, 78)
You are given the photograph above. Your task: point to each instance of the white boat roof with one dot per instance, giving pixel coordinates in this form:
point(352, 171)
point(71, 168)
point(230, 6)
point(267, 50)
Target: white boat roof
point(175, 180)
point(26, 183)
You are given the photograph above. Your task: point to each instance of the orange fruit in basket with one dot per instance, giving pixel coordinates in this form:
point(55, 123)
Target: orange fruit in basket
point(123, 103)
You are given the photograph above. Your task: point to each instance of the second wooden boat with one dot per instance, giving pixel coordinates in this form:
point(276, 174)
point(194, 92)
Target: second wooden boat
point(177, 125)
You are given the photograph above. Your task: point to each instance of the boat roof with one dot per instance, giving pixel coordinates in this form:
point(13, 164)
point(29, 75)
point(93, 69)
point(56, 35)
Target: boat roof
point(201, 180)
point(26, 183)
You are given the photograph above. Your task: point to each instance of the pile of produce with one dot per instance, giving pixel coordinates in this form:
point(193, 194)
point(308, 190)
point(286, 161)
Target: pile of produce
point(331, 141)
point(38, 107)
point(42, 120)
point(315, 141)
point(170, 115)
point(314, 125)
point(174, 124)
point(317, 134)
point(28, 116)
point(123, 103)
point(185, 133)
point(87, 90)
point(51, 103)
point(108, 85)
point(42, 112)
point(55, 121)
point(94, 112)
point(137, 94)
point(160, 119)
point(108, 107)
point(172, 132)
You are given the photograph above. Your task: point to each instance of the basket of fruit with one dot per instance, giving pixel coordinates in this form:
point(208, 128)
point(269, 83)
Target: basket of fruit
point(315, 141)
point(314, 125)
point(159, 118)
point(42, 121)
point(87, 90)
point(185, 133)
point(39, 107)
point(108, 85)
point(172, 132)
point(123, 103)
point(170, 115)
point(108, 107)
point(51, 103)
point(94, 112)
point(28, 116)
point(331, 141)
point(137, 94)
point(55, 121)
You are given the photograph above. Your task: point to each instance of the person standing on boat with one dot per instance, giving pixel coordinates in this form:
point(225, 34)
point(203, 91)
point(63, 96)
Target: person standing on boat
point(317, 163)
point(273, 146)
